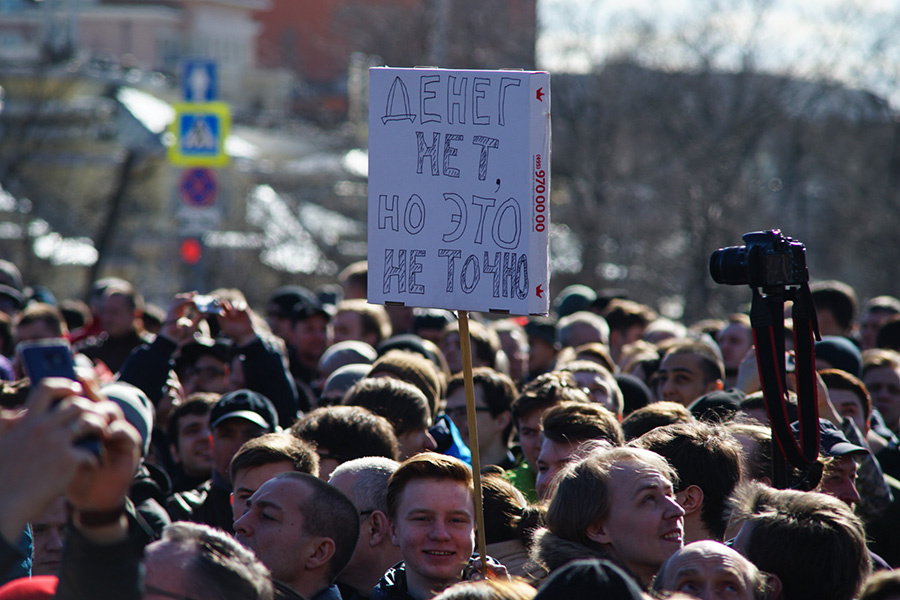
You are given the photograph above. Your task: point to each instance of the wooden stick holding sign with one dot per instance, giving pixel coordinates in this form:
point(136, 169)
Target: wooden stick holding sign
point(466, 347)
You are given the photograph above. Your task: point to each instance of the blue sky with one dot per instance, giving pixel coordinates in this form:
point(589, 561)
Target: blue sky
point(853, 41)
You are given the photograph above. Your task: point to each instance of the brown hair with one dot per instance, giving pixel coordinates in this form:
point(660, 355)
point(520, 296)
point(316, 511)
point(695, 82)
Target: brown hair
point(426, 465)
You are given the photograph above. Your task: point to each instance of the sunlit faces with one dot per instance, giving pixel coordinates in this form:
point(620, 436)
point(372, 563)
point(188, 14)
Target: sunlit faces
point(414, 441)
point(530, 436)
point(434, 527)
point(849, 405)
point(272, 527)
point(207, 374)
point(489, 427)
point(644, 525)
point(228, 437)
point(49, 532)
point(194, 445)
point(681, 379)
point(598, 389)
point(883, 384)
point(553, 457)
point(711, 571)
point(839, 480)
point(247, 481)
point(734, 341)
point(117, 315)
point(310, 337)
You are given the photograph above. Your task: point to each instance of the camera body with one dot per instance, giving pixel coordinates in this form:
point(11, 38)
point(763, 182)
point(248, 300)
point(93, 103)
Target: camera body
point(208, 305)
point(767, 259)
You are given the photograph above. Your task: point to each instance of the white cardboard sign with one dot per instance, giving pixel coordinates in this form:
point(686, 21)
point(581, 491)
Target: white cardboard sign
point(459, 187)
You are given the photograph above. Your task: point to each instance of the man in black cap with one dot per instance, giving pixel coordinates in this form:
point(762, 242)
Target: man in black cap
point(236, 418)
point(839, 475)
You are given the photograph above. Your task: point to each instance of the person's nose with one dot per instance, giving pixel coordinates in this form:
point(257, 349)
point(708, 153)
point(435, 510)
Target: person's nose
point(55, 542)
point(674, 510)
point(849, 493)
point(439, 531)
point(244, 525)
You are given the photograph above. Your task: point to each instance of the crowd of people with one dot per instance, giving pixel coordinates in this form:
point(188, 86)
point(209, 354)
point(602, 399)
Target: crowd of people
point(321, 449)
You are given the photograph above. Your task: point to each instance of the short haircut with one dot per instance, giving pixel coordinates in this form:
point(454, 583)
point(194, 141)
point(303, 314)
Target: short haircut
point(566, 325)
point(882, 585)
point(879, 358)
point(220, 566)
point(370, 486)
point(621, 314)
point(373, 317)
point(583, 491)
point(348, 432)
point(655, 414)
point(598, 353)
point(888, 335)
point(356, 274)
point(757, 401)
point(426, 465)
point(545, 391)
point(504, 506)
point(485, 341)
point(498, 391)
point(274, 448)
point(127, 291)
point(489, 589)
point(812, 542)
point(757, 464)
point(195, 404)
point(576, 422)
point(883, 304)
point(413, 368)
point(711, 365)
point(704, 455)
point(837, 297)
point(401, 403)
point(588, 366)
point(756, 578)
point(838, 379)
point(39, 312)
point(327, 512)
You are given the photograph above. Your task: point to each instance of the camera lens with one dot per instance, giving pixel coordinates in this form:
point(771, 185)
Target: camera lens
point(729, 265)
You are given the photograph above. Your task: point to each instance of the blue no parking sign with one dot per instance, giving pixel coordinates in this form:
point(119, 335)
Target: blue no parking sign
point(198, 187)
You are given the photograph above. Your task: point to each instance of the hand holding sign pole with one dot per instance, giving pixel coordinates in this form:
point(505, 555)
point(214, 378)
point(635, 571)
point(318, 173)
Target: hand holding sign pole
point(459, 182)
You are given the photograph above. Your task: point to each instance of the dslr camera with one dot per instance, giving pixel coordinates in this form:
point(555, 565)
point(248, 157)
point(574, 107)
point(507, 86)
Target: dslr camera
point(767, 259)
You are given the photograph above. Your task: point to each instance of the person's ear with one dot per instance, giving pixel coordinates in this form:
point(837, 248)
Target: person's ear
point(379, 528)
point(173, 451)
point(321, 555)
point(690, 499)
point(501, 421)
point(773, 586)
point(597, 533)
point(395, 537)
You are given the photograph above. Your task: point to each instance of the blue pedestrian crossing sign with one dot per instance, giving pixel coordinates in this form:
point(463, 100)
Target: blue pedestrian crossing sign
point(200, 130)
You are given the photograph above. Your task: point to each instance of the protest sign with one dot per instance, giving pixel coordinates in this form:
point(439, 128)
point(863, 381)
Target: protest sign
point(459, 187)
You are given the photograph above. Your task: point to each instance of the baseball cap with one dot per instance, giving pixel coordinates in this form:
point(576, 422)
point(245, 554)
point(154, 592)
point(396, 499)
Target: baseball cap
point(832, 440)
point(308, 307)
point(245, 404)
point(840, 353)
point(285, 297)
point(542, 328)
